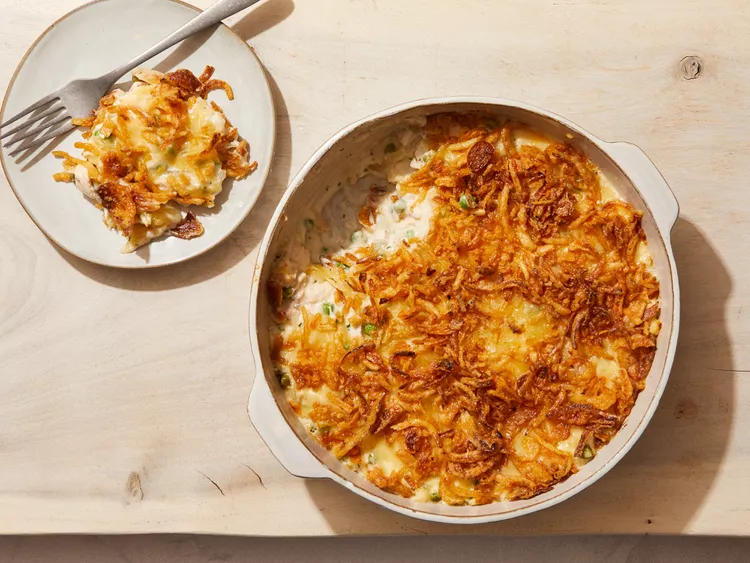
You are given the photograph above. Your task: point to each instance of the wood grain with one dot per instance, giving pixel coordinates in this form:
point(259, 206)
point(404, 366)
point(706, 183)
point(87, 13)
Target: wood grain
point(123, 393)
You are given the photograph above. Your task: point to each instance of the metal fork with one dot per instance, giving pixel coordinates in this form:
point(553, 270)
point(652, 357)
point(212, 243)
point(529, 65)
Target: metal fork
point(77, 99)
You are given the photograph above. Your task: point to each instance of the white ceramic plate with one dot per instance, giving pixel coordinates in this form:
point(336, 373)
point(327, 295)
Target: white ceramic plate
point(91, 41)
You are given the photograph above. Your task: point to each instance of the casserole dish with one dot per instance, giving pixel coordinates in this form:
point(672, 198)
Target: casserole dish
point(634, 177)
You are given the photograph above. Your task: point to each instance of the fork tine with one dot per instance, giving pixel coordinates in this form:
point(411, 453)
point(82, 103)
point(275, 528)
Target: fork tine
point(43, 102)
point(30, 134)
point(46, 137)
point(36, 131)
point(33, 119)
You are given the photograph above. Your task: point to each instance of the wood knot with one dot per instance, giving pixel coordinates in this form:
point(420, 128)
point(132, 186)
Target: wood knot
point(691, 67)
point(133, 486)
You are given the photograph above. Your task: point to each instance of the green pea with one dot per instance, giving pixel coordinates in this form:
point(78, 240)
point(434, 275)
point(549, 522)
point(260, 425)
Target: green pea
point(284, 380)
point(369, 329)
point(435, 497)
point(588, 452)
point(467, 201)
point(287, 292)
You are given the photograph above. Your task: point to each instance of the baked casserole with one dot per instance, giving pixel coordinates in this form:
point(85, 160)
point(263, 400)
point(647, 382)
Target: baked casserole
point(470, 316)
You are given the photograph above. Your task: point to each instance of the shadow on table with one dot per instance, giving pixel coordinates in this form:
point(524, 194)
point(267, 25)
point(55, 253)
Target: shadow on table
point(660, 485)
point(247, 236)
point(262, 18)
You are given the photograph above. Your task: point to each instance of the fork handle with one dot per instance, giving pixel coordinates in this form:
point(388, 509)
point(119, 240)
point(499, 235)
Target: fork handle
point(217, 12)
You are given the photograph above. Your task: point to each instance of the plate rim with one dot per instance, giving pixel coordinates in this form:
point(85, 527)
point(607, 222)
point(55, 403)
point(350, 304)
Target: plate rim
point(145, 265)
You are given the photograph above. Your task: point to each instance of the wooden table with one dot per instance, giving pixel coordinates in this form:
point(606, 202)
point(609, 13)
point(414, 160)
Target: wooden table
point(123, 393)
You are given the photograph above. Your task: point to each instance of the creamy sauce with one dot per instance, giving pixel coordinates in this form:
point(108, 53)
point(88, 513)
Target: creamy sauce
point(571, 443)
point(429, 491)
point(378, 453)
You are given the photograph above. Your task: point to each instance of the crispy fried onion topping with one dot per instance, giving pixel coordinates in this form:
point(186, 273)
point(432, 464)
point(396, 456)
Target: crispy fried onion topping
point(523, 317)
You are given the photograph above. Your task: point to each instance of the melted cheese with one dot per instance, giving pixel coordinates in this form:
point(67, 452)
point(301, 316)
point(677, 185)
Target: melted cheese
point(527, 137)
point(376, 452)
point(509, 469)
point(607, 368)
point(516, 327)
point(170, 167)
point(308, 398)
point(569, 445)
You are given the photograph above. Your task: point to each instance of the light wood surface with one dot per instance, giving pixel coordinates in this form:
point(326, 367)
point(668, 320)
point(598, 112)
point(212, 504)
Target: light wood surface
point(123, 393)
point(419, 549)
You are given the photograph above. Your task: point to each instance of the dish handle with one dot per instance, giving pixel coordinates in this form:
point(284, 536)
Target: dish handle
point(643, 172)
point(278, 435)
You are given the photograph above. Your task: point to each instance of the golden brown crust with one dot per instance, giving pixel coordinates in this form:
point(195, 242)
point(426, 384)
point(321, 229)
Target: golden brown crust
point(185, 81)
point(190, 85)
point(189, 227)
point(118, 201)
point(520, 228)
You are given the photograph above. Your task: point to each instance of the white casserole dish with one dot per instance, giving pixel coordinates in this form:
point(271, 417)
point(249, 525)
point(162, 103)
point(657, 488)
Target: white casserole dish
point(632, 174)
